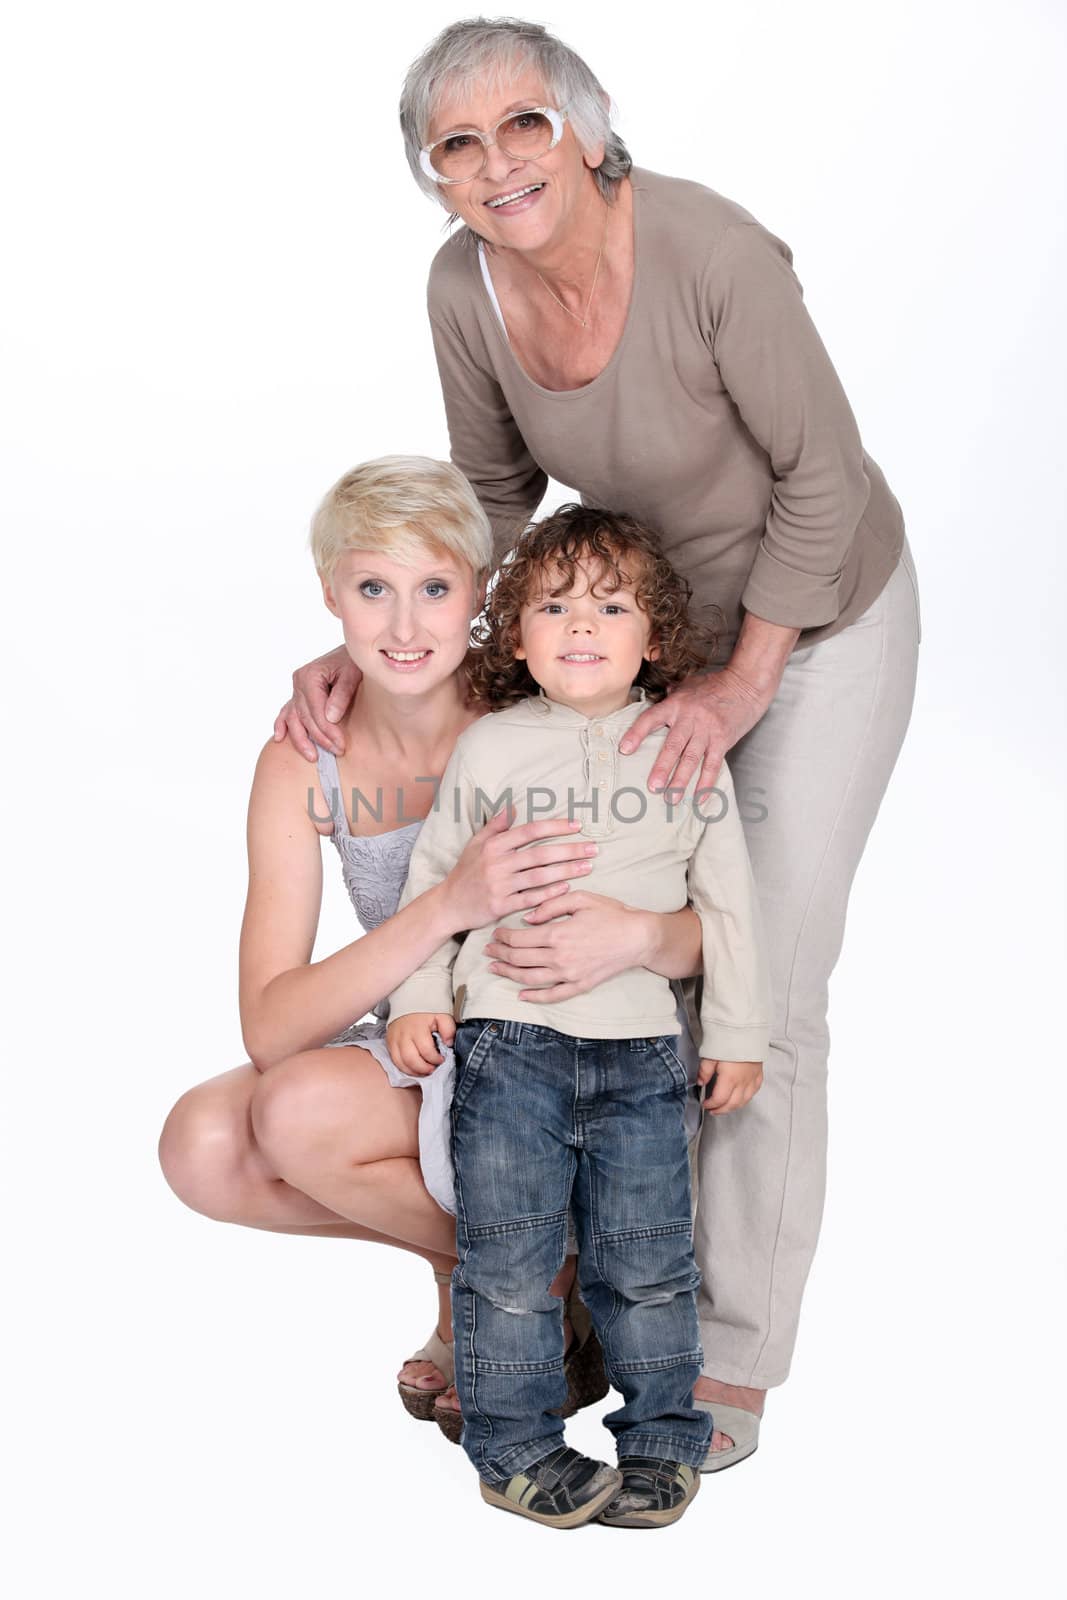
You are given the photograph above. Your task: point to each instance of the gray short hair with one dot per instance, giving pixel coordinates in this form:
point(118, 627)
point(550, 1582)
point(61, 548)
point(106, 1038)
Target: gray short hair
point(485, 48)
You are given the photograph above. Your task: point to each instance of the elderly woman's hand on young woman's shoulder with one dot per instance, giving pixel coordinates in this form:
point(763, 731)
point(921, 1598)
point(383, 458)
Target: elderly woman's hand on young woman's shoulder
point(322, 694)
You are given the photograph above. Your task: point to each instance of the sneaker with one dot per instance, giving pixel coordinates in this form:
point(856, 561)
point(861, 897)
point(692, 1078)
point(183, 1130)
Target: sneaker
point(653, 1493)
point(563, 1489)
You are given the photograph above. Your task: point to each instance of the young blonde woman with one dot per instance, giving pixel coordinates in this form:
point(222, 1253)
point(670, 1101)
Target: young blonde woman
point(319, 1132)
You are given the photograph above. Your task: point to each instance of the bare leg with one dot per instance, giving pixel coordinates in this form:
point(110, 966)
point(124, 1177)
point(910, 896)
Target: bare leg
point(214, 1162)
point(332, 1126)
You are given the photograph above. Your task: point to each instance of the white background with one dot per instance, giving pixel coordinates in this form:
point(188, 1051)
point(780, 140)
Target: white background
point(215, 266)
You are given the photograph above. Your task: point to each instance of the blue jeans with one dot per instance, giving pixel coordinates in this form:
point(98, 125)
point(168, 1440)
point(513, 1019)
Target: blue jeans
point(543, 1123)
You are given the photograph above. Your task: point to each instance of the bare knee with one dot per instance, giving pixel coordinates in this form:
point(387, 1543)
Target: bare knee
point(204, 1149)
point(299, 1109)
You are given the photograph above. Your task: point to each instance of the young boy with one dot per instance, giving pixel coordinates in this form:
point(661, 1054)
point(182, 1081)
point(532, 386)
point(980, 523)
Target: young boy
point(579, 1104)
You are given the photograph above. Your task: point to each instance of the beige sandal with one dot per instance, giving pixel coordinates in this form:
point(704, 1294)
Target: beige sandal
point(420, 1402)
point(740, 1426)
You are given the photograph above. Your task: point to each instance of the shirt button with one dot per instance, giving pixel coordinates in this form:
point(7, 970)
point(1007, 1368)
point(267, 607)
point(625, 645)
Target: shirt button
point(603, 783)
point(598, 730)
point(602, 755)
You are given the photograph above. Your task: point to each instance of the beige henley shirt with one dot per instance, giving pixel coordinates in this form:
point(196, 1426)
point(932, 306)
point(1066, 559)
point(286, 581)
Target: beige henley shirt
point(655, 852)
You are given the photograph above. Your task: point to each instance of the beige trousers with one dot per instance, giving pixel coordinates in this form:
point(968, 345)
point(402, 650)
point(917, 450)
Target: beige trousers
point(818, 761)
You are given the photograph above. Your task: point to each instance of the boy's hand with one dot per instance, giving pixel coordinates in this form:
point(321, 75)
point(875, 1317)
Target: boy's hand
point(735, 1082)
point(410, 1040)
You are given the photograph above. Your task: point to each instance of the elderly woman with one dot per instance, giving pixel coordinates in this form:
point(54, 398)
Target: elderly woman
point(644, 340)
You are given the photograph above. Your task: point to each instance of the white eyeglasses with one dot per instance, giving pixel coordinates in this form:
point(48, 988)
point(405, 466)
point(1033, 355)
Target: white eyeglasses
point(462, 155)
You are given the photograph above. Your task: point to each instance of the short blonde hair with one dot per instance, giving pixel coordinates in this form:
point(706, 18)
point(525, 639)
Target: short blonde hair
point(404, 507)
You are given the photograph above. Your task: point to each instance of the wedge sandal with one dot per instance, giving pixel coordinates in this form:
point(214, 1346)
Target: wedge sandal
point(419, 1403)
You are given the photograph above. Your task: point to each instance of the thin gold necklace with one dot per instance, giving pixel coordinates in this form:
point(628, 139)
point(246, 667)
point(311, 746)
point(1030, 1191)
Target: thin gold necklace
point(584, 319)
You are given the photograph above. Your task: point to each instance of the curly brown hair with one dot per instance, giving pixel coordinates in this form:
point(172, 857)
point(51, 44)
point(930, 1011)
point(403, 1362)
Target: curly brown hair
point(626, 552)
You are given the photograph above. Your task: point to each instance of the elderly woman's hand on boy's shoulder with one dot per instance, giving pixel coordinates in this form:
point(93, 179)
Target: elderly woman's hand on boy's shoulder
point(322, 694)
point(705, 716)
point(733, 1083)
point(411, 1043)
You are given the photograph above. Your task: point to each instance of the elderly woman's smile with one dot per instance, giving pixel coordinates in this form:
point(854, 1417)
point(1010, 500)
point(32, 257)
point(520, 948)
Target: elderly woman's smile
point(515, 199)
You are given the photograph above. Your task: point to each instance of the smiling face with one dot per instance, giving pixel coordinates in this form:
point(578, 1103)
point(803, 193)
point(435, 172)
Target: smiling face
point(585, 648)
point(557, 182)
point(406, 627)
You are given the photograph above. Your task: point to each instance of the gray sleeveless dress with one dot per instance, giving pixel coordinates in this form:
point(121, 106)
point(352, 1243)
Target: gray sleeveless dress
point(374, 868)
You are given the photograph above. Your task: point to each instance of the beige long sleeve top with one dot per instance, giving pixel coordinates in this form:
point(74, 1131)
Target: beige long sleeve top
point(719, 420)
point(655, 852)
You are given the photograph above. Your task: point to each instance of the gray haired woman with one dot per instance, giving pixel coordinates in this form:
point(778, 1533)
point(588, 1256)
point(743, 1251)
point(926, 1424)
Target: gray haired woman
point(644, 340)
